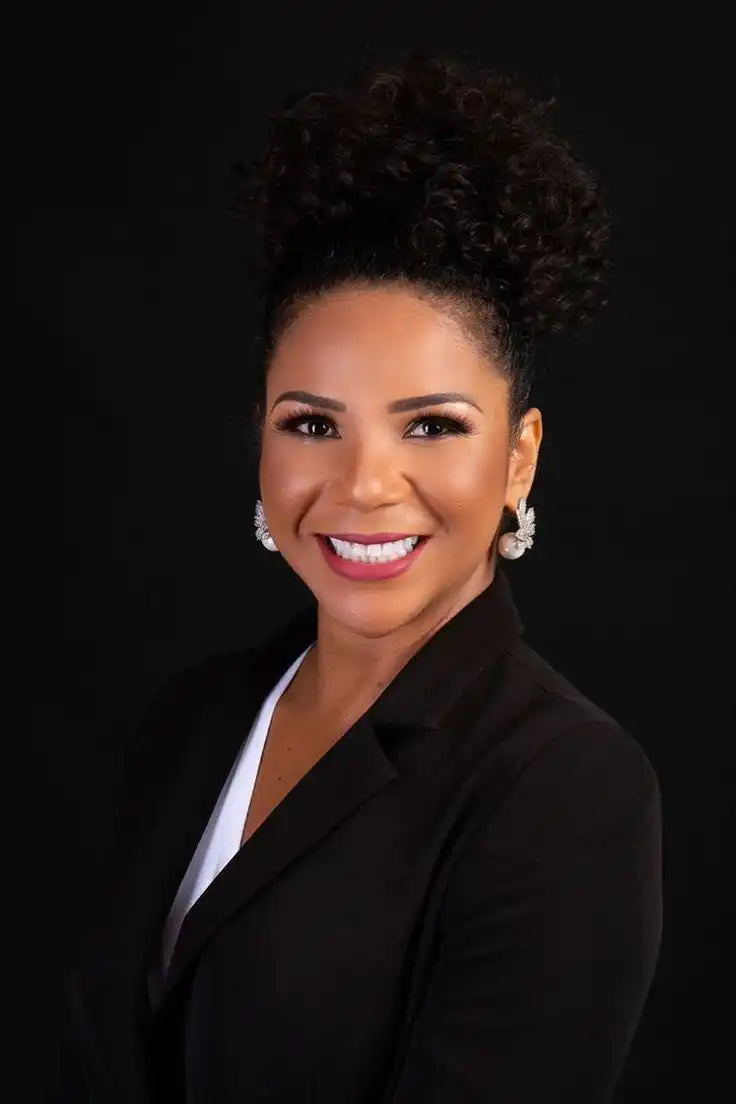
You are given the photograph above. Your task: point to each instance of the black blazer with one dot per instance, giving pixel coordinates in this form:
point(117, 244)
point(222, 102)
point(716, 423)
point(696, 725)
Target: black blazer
point(460, 902)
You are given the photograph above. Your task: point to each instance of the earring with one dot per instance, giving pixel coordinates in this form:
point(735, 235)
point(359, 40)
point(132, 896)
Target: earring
point(513, 545)
point(262, 533)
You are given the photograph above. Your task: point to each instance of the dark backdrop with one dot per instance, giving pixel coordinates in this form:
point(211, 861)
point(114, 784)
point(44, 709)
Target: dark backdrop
point(137, 357)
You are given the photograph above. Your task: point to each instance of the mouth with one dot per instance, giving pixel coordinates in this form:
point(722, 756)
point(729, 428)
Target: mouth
point(371, 559)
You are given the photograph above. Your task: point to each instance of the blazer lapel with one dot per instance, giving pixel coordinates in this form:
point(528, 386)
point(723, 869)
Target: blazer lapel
point(350, 772)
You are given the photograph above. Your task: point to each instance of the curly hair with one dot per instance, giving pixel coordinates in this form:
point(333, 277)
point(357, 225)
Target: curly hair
point(437, 173)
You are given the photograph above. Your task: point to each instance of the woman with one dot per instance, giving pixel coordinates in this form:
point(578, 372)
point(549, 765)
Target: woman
point(391, 855)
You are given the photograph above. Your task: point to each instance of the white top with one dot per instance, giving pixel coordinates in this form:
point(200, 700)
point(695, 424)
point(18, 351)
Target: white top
point(222, 837)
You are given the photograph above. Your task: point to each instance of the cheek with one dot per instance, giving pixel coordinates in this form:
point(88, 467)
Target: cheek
point(469, 485)
point(289, 475)
point(284, 487)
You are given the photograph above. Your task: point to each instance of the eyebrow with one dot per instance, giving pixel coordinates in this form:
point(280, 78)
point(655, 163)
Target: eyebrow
point(414, 402)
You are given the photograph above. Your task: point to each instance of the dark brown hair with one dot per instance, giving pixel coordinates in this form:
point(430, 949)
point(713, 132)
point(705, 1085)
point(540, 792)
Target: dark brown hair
point(437, 173)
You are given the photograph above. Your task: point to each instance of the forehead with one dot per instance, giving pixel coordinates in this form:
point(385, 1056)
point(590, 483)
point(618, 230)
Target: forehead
point(378, 340)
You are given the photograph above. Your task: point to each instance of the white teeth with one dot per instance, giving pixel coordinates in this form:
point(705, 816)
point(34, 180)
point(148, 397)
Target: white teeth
point(373, 553)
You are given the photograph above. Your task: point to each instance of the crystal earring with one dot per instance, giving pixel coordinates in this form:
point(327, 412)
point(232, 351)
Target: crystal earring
point(262, 533)
point(513, 545)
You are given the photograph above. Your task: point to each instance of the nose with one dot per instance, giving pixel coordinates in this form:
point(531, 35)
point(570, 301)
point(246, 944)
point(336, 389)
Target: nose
point(368, 475)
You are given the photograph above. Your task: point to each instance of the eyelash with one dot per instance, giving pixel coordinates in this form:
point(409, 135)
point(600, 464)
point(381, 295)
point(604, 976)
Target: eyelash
point(458, 425)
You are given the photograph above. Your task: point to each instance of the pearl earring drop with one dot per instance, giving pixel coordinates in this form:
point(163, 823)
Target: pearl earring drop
point(262, 533)
point(513, 545)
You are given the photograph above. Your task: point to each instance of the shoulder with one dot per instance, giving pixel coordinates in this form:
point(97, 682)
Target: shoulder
point(198, 683)
point(202, 680)
point(568, 804)
point(541, 682)
point(590, 782)
point(171, 710)
point(571, 768)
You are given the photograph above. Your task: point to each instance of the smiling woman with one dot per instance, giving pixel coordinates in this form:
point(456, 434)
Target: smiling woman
point(390, 856)
point(410, 436)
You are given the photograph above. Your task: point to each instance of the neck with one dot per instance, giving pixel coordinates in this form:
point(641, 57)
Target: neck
point(345, 671)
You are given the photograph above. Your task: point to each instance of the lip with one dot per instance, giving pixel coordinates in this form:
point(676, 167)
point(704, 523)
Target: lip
point(371, 538)
point(349, 569)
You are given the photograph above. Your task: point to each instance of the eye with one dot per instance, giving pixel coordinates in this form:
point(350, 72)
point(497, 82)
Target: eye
point(452, 426)
point(290, 422)
point(455, 426)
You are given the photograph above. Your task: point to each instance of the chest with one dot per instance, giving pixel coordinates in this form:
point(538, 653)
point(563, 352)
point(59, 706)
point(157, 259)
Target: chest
point(295, 742)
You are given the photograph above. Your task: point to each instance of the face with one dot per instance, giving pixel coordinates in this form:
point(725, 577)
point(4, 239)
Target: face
point(367, 454)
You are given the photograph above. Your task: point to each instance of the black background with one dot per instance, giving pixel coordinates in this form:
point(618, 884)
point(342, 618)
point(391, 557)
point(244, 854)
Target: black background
point(137, 359)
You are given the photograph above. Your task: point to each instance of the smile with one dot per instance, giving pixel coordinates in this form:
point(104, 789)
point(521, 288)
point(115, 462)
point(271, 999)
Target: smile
point(372, 553)
point(371, 561)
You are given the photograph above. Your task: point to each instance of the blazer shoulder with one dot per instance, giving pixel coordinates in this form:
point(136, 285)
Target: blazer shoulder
point(544, 730)
point(565, 749)
point(197, 682)
point(172, 708)
point(555, 693)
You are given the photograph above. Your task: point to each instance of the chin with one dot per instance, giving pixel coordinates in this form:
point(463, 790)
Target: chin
point(371, 615)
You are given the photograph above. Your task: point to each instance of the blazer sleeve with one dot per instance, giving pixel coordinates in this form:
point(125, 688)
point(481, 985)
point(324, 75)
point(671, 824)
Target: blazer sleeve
point(549, 935)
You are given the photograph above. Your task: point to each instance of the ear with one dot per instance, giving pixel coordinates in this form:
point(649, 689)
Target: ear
point(523, 458)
